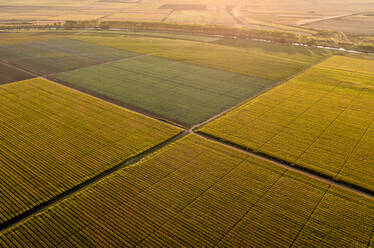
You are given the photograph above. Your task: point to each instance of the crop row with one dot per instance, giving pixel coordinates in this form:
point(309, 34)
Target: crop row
point(198, 193)
point(53, 138)
point(320, 119)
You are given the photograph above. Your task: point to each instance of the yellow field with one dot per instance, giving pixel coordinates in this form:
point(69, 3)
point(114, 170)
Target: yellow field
point(350, 64)
point(197, 193)
point(321, 119)
point(53, 138)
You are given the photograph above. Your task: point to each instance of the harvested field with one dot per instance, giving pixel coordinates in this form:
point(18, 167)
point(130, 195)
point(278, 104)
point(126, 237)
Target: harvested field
point(183, 93)
point(209, 16)
point(53, 138)
point(321, 120)
point(356, 24)
point(140, 16)
point(57, 55)
point(184, 6)
point(10, 74)
point(197, 193)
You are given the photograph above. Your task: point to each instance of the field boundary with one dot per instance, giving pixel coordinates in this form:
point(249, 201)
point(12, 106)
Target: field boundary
point(120, 103)
point(53, 201)
point(276, 84)
point(291, 166)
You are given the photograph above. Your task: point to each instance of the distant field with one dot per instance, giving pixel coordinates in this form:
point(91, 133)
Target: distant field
point(9, 74)
point(251, 58)
point(357, 24)
point(321, 119)
point(57, 55)
point(184, 93)
point(53, 138)
point(253, 61)
point(137, 44)
point(217, 16)
point(196, 193)
point(177, 36)
point(265, 14)
point(8, 38)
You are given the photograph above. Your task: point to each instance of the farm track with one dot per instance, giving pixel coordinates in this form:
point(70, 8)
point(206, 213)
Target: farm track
point(167, 16)
point(329, 18)
point(186, 130)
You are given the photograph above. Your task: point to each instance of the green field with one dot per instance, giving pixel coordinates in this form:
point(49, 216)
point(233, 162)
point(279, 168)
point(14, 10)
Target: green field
point(256, 60)
point(181, 92)
point(198, 193)
point(321, 119)
point(53, 138)
point(57, 55)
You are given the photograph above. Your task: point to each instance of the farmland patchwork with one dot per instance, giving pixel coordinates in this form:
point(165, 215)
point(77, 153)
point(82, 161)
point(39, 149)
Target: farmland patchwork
point(53, 138)
point(321, 119)
point(201, 194)
point(181, 92)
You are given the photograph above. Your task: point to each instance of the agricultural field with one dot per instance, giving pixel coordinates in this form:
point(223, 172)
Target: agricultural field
point(199, 193)
point(145, 45)
point(253, 59)
point(363, 66)
point(218, 16)
point(177, 91)
point(57, 55)
point(321, 119)
point(10, 74)
point(9, 38)
point(53, 138)
point(355, 24)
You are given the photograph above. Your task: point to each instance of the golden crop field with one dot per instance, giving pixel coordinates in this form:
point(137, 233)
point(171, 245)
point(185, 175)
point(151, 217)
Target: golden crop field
point(199, 193)
point(350, 64)
point(321, 119)
point(53, 138)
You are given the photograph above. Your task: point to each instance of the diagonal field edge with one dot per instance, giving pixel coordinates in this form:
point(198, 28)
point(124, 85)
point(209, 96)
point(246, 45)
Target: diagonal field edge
point(291, 166)
point(120, 103)
point(137, 158)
